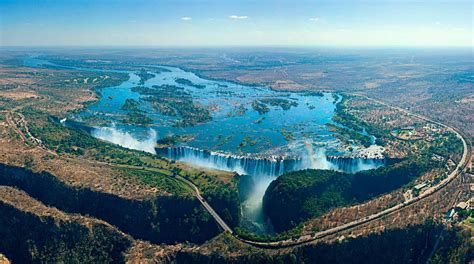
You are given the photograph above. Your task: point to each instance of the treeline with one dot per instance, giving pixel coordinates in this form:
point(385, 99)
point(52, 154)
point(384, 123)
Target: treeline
point(297, 196)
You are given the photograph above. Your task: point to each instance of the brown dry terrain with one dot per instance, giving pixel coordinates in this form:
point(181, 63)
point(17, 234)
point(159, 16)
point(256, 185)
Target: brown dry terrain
point(54, 93)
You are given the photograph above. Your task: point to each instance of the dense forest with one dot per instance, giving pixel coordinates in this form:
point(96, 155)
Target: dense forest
point(300, 195)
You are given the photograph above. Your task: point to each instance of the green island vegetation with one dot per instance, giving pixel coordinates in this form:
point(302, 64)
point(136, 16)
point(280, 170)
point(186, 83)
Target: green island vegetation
point(287, 134)
point(285, 104)
point(247, 141)
point(313, 93)
point(171, 100)
point(172, 140)
point(92, 79)
point(130, 104)
point(348, 135)
point(137, 117)
point(238, 111)
point(260, 107)
point(144, 76)
point(189, 83)
point(221, 140)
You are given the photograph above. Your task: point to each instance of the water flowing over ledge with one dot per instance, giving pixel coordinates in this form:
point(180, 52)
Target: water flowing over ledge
point(271, 166)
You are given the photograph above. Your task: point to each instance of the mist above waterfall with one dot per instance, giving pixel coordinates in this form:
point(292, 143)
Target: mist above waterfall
point(263, 171)
point(127, 140)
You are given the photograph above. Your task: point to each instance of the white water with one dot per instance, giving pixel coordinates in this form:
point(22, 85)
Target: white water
point(264, 171)
point(125, 139)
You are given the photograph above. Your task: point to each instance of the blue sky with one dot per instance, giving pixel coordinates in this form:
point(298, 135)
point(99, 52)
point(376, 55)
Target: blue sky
point(236, 23)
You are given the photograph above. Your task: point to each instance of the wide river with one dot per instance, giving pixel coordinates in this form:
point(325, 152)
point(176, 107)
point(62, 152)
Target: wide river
point(238, 138)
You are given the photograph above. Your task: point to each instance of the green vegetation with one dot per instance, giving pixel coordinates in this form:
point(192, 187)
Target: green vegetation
point(189, 83)
point(301, 195)
point(279, 102)
point(144, 76)
point(220, 192)
point(130, 104)
point(247, 141)
point(171, 100)
point(449, 145)
point(348, 134)
point(238, 111)
point(173, 140)
point(344, 117)
point(137, 117)
point(287, 134)
point(260, 107)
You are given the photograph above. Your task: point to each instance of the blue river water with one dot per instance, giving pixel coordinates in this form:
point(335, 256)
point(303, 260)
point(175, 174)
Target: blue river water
point(261, 145)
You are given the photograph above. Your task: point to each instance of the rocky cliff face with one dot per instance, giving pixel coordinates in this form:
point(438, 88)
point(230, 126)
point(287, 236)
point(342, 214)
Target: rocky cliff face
point(32, 232)
point(163, 219)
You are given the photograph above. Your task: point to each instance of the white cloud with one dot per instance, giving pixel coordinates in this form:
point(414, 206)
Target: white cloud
point(438, 23)
point(314, 19)
point(186, 18)
point(238, 17)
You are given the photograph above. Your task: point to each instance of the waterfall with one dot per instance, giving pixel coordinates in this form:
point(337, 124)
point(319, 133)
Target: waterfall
point(352, 165)
point(255, 166)
point(263, 170)
point(272, 166)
